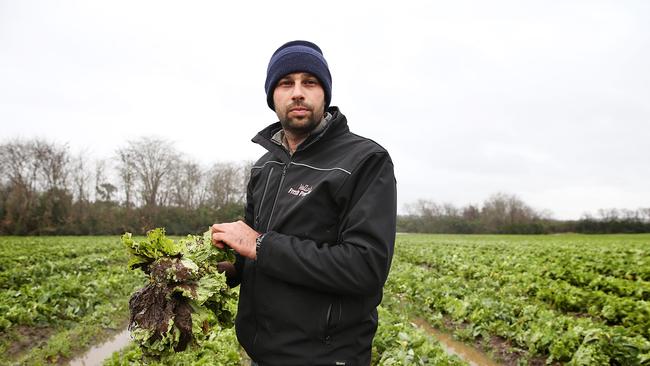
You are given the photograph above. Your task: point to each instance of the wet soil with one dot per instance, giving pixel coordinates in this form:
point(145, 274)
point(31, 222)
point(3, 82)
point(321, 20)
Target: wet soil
point(24, 338)
point(466, 352)
point(501, 351)
point(96, 355)
point(153, 306)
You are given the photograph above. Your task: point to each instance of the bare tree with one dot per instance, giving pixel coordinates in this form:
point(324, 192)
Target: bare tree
point(146, 161)
point(424, 208)
point(54, 162)
point(449, 210)
point(226, 184)
point(126, 172)
point(21, 170)
point(104, 190)
point(501, 210)
point(19, 165)
point(185, 184)
point(81, 178)
point(611, 214)
point(471, 212)
point(644, 213)
point(37, 177)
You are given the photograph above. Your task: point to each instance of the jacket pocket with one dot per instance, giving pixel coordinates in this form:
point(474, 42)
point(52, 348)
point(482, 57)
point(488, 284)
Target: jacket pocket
point(332, 319)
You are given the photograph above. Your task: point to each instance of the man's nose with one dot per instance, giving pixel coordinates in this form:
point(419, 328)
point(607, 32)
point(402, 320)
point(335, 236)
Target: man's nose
point(297, 92)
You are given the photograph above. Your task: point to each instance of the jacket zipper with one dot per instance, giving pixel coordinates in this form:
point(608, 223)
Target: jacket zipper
point(277, 194)
point(284, 172)
point(266, 188)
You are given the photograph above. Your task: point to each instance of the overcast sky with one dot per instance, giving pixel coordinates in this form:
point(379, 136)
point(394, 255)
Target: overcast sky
point(547, 100)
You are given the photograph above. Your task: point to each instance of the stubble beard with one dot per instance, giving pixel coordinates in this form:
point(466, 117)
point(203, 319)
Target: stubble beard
point(301, 126)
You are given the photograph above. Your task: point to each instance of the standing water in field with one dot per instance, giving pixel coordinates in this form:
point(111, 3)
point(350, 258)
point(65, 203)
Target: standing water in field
point(98, 354)
point(465, 352)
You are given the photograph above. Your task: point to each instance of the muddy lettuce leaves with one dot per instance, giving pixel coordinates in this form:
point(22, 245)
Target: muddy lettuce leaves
point(186, 298)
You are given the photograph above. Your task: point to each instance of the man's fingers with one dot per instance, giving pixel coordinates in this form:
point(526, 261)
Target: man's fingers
point(221, 228)
point(217, 240)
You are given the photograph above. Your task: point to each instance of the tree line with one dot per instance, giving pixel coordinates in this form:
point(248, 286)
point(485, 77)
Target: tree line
point(45, 189)
point(503, 213)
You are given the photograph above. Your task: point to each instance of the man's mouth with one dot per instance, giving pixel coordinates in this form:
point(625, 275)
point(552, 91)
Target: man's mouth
point(299, 111)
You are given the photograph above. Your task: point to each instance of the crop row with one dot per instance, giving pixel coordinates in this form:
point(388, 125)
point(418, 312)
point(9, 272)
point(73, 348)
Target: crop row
point(60, 294)
point(511, 264)
point(497, 287)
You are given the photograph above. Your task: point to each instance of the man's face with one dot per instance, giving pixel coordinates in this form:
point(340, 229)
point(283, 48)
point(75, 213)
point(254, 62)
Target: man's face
point(299, 102)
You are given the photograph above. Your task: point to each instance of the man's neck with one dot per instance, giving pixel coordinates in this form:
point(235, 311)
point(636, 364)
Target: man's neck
point(293, 140)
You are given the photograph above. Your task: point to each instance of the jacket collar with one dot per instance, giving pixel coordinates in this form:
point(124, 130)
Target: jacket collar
point(338, 125)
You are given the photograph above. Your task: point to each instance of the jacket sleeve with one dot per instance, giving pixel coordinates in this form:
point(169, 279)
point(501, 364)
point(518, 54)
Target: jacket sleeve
point(359, 263)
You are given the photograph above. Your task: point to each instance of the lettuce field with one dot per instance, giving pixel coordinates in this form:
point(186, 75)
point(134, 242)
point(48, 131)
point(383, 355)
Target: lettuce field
point(536, 300)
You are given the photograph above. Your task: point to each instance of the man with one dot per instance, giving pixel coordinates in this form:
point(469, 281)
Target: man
point(318, 237)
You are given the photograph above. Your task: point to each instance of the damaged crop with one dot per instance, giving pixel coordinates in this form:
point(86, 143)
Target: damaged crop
point(186, 297)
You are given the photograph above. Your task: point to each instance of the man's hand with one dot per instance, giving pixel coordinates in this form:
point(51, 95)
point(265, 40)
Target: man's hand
point(236, 235)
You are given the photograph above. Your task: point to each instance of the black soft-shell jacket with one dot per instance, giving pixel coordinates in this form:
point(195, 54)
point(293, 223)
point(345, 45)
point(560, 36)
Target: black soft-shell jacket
point(328, 213)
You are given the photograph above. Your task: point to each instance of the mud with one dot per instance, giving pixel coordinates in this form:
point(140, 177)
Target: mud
point(183, 321)
point(153, 306)
point(25, 337)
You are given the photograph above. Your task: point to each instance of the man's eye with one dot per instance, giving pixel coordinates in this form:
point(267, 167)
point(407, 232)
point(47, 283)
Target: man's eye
point(311, 82)
point(285, 82)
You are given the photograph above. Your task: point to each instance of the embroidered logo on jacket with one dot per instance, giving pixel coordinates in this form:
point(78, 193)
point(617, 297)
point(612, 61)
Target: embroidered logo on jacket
point(301, 191)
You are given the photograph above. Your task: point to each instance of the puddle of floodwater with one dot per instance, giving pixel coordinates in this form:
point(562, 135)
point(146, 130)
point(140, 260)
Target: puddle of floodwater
point(98, 354)
point(467, 353)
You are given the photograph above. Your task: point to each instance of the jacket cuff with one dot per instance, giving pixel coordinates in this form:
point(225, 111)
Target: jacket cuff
point(264, 248)
point(258, 244)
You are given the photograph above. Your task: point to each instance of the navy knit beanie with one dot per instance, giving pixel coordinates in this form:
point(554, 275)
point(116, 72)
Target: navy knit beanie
point(297, 56)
